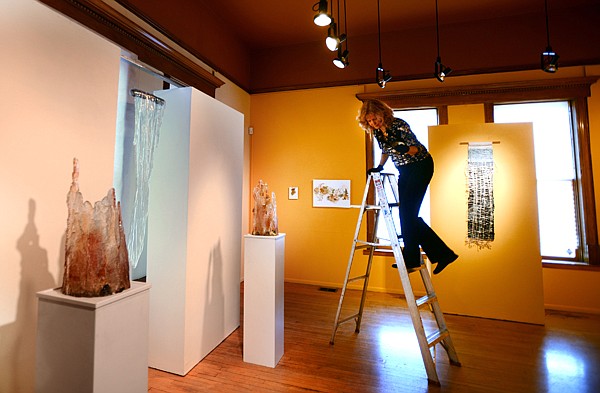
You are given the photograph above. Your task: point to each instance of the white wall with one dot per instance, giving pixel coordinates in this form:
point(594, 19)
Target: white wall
point(59, 93)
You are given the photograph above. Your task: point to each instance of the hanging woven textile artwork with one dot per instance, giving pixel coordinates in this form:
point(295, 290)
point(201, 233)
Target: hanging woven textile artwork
point(480, 188)
point(149, 111)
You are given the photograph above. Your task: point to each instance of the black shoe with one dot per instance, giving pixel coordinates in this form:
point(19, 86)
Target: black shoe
point(442, 264)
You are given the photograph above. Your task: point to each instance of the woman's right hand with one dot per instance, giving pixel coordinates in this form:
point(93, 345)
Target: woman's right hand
point(378, 168)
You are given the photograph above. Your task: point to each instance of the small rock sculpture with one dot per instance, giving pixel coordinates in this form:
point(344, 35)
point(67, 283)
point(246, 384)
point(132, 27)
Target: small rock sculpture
point(96, 261)
point(264, 213)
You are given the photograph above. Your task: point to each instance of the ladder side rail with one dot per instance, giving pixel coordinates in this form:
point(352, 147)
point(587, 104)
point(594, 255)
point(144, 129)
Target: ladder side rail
point(351, 257)
point(440, 320)
point(387, 215)
point(435, 307)
point(446, 340)
point(448, 345)
point(393, 186)
point(368, 273)
point(408, 293)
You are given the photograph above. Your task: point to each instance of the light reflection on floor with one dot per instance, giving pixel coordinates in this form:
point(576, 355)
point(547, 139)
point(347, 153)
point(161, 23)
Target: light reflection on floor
point(400, 360)
point(563, 365)
point(566, 365)
point(398, 352)
point(394, 342)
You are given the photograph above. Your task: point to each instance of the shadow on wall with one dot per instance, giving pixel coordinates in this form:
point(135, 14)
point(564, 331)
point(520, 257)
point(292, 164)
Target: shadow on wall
point(215, 299)
point(17, 340)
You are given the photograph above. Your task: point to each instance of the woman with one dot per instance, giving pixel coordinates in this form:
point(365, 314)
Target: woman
point(415, 166)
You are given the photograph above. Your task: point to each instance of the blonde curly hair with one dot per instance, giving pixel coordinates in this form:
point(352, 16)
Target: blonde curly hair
point(374, 107)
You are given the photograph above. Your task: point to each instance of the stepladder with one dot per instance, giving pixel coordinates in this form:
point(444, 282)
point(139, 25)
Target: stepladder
point(385, 188)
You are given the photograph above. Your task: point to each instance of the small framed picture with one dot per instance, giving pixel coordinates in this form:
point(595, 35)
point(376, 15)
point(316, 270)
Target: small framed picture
point(331, 193)
point(293, 193)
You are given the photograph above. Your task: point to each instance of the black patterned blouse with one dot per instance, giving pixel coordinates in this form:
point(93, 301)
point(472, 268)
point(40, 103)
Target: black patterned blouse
point(399, 138)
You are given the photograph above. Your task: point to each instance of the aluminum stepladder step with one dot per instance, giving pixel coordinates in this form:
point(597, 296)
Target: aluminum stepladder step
point(427, 342)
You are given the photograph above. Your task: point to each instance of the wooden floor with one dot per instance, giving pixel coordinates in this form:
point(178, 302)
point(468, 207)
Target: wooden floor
point(497, 356)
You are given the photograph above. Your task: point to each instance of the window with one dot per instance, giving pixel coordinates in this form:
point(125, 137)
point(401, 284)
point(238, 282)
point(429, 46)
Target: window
point(419, 121)
point(573, 91)
point(557, 183)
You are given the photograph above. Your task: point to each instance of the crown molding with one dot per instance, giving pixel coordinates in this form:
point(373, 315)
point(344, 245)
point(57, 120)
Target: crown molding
point(117, 28)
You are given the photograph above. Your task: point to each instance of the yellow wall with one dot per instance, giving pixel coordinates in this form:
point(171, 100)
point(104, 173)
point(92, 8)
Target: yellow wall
point(489, 273)
point(313, 134)
point(300, 136)
point(238, 99)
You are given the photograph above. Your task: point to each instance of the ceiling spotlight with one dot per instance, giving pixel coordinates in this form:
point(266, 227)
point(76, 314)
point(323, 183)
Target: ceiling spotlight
point(322, 18)
point(341, 61)
point(549, 57)
point(333, 41)
point(549, 60)
point(382, 76)
point(441, 71)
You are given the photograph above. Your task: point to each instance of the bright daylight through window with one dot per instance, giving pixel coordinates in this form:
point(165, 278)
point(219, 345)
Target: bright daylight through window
point(419, 121)
point(557, 183)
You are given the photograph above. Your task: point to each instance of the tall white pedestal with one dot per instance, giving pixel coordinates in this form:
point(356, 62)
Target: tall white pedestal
point(97, 344)
point(194, 229)
point(263, 299)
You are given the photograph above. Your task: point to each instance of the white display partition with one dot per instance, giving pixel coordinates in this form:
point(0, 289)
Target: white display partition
point(97, 344)
point(194, 229)
point(263, 299)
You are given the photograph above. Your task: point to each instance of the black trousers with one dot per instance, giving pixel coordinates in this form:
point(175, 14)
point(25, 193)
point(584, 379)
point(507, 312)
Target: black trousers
point(412, 184)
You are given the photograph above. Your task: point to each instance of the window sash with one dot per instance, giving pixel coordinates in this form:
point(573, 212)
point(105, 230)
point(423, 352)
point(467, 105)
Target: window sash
point(560, 238)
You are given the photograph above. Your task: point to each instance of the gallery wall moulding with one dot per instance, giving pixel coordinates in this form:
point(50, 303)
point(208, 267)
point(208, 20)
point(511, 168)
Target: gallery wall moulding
point(106, 21)
point(542, 89)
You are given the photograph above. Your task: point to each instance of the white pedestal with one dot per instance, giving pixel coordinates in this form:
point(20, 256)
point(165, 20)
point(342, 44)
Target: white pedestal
point(194, 229)
point(97, 344)
point(263, 299)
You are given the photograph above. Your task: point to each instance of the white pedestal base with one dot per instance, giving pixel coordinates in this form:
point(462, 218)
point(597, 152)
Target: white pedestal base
point(263, 299)
point(97, 344)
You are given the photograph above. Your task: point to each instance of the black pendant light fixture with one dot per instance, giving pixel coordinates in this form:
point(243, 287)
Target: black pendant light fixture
point(334, 40)
point(381, 75)
point(441, 71)
point(341, 60)
point(322, 18)
point(549, 58)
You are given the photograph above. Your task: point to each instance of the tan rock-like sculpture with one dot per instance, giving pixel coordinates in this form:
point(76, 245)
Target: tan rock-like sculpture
point(264, 213)
point(96, 262)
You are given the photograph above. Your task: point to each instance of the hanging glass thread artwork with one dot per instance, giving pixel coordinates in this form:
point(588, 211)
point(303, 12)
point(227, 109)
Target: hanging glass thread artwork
point(480, 189)
point(149, 111)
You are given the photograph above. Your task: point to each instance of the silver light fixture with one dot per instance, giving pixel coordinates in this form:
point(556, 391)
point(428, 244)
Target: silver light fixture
point(341, 61)
point(549, 58)
point(441, 71)
point(382, 76)
point(334, 40)
point(322, 18)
